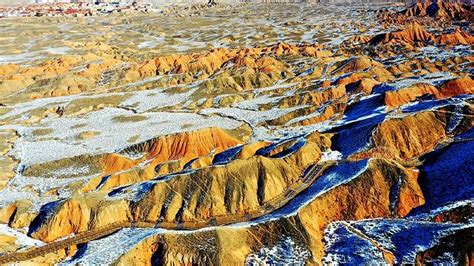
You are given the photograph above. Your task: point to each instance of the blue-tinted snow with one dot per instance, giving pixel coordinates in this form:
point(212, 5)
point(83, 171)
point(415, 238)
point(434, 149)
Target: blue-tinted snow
point(359, 121)
point(106, 251)
point(344, 247)
point(265, 151)
point(306, 72)
point(340, 77)
point(356, 137)
point(421, 215)
point(292, 149)
point(435, 104)
point(468, 135)
point(103, 181)
point(446, 176)
point(286, 252)
point(345, 63)
point(394, 194)
point(425, 105)
point(227, 155)
point(337, 175)
point(366, 107)
point(189, 164)
point(405, 238)
point(382, 88)
point(44, 214)
point(444, 259)
point(455, 119)
point(134, 192)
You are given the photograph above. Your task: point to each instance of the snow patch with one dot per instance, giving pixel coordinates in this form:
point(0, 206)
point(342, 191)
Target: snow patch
point(331, 156)
point(287, 252)
point(21, 238)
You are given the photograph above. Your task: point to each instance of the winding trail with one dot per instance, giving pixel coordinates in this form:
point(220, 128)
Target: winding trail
point(306, 180)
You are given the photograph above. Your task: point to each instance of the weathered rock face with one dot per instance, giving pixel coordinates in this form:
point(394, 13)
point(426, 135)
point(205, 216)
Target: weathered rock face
point(450, 88)
point(155, 153)
point(455, 87)
point(345, 204)
point(416, 35)
point(411, 35)
point(410, 136)
point(241, 187)
point(228, 189)
point(457, 244)
point(409, 94)
point(432, 12)
point(275, 134)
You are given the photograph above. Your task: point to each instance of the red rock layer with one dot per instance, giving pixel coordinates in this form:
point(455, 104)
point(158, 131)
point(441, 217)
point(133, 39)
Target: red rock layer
point(415, 34)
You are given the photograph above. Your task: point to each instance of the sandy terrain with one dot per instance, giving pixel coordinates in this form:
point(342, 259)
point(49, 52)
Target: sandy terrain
point(239, 134)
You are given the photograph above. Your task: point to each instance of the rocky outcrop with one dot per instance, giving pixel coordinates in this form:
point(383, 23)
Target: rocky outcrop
point(459, 86)
point(161, 156)
point(233, 244)
point(264, 60)
point(432, 11)
point(408, 94)
point(440, 10)
point(347, 206)
point(223, 193)
point(275, 144)
point(449, 88)
point(410, 136)
point(412, 35)
point(458, 37)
